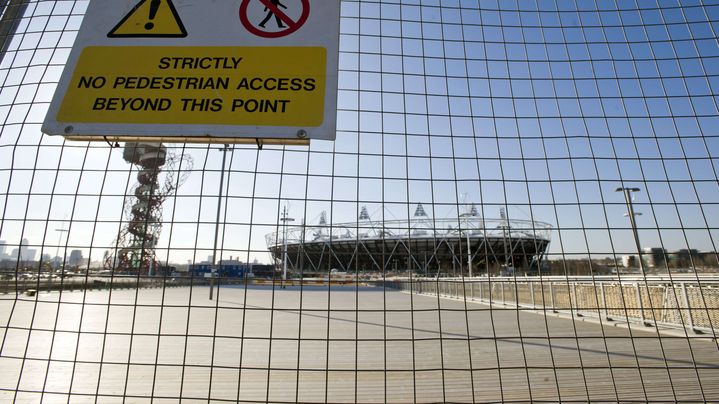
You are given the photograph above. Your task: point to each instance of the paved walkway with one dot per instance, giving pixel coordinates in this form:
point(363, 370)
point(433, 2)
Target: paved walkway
point(343, 345)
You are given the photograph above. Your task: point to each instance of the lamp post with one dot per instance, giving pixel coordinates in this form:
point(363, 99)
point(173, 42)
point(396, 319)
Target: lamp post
point(507, 236)
point(632, 220)
point(469, 254)
point(59, 241)
point(469, 248)
point(284, 221)
point(213, 271)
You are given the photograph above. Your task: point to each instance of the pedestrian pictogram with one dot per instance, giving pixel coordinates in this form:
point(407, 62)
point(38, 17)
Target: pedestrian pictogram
point(150, 18)
point(271, 13)
point(274, 18)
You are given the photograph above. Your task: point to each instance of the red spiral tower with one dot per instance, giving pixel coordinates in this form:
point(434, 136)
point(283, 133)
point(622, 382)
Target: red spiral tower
point(137, 240)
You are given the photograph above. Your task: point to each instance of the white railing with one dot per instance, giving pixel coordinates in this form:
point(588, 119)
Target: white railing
point(680, 301)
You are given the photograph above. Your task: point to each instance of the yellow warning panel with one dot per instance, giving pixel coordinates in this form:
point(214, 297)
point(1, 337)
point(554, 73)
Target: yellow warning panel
point(150, 18)
point(249, 86)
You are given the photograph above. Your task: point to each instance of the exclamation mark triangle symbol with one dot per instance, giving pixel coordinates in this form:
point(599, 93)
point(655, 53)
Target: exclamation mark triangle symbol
point(150, 18)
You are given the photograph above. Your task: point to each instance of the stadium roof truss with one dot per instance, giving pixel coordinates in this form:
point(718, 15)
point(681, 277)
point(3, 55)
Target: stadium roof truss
point(421, 244)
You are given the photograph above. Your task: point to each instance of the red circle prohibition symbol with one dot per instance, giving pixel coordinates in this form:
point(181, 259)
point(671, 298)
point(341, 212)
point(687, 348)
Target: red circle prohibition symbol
point(291, 25)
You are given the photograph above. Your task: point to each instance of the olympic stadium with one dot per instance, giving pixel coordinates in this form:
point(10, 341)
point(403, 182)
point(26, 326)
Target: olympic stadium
point(468, 245)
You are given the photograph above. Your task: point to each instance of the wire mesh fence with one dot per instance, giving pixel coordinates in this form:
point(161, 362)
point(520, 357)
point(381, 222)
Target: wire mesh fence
point(521, 205)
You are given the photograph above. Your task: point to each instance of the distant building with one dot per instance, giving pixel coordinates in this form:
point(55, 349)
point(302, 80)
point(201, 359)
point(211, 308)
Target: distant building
point(654, 257)
point(56, 262)
point(3, 246)
point(629, 261)
point(23, 253)
point(76, 259)
point(685, 258)
point(708, 259)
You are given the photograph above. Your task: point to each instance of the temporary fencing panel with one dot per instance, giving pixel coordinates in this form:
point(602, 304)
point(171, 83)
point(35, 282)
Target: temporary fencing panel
point(521, 205)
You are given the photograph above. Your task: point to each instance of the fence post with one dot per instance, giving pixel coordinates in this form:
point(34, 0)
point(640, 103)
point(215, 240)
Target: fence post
point(551, 297)
point(531, 293)
point(641, 304)
point(604, 301)
point(504, 301)
point(573, 298)
point(689, 307)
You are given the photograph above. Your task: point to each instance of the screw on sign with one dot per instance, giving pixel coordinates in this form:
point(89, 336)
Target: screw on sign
point(274, 18)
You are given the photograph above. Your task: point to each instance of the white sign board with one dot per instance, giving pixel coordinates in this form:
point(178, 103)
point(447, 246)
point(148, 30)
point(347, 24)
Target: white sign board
point(203, 70)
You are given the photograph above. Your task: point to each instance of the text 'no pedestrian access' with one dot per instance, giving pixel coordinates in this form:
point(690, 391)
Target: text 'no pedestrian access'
point(218, 85)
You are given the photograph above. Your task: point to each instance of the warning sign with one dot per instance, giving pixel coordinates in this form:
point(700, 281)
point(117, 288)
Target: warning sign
point(150, 18)
point(198, 85)
point(191, 70)
point(275, 18)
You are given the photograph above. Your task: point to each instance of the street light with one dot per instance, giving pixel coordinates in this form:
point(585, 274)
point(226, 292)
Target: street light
point(284, 221)
point(57, 251)
point(469, 245)
point(215, 263)
point(632, 220)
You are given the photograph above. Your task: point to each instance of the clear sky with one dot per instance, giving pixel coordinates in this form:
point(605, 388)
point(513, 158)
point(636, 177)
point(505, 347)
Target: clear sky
point(540, 107)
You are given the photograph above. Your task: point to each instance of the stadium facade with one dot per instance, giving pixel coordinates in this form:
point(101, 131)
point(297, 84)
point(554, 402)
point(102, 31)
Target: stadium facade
point(469, 245)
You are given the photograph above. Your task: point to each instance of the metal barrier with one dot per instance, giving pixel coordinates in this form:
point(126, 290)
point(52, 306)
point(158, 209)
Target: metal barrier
point(678, 302)
point(473, 137)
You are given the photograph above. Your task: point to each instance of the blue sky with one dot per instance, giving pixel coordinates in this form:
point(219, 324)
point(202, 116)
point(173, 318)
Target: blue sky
point(541, 107)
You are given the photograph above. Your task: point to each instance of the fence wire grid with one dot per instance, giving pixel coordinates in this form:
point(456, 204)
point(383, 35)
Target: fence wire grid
point(521, 205)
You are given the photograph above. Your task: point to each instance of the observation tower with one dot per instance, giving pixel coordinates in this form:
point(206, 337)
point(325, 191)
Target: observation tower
point(138, 238)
